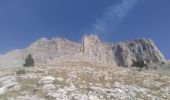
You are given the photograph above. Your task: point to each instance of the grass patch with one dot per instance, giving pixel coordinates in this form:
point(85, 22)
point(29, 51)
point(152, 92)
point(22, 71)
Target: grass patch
point(20, 72)
point(9, 94)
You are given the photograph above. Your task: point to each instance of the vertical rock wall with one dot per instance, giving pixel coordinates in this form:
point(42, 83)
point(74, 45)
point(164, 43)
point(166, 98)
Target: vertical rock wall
point(91, 49)
point(123, 53)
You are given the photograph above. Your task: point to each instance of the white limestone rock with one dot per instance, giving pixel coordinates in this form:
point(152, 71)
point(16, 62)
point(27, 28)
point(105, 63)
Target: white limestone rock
point(28, 97)
point(60, 79)
point(48, 87)
point(3, 90)
point(47, 80)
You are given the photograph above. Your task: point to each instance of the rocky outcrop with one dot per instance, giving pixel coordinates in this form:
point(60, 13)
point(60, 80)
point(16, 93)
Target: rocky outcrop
point(142, 50)
point(97, 51)
point(123, 53)
point(13, 59)
point(46, 51)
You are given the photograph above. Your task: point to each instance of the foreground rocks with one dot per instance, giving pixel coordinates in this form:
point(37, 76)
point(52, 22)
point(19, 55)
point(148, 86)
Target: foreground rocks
point(85, 81)
point(8, 83)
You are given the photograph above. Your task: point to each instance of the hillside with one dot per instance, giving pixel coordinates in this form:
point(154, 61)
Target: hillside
point(91, 70)
point(83, 81)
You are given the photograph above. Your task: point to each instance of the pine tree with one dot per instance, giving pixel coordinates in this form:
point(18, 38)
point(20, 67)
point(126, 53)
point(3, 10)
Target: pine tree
point(29, 61)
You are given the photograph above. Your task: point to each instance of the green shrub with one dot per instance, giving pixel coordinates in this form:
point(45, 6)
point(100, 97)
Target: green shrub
point(155, 68)
point(20, 72)
point(140, 64)
point(163, 63)
point(29, 61)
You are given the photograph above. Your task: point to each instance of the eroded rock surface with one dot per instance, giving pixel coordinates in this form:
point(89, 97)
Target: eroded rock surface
point(92, 49)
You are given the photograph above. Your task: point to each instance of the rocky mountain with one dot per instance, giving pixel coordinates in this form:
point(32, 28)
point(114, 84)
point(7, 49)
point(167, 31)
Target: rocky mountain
point(65, 70)
point(92, 49)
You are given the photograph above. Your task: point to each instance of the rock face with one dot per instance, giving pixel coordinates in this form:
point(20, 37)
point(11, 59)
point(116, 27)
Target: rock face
point(92, 49)
point(45, 50)
point(123, 53)
point(97, 51)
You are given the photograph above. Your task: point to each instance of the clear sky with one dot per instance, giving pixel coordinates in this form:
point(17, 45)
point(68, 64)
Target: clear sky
point(24, 21)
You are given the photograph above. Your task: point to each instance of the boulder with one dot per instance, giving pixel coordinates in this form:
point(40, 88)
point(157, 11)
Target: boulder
point(47, 80)
point(48, 87)
point(3, 90)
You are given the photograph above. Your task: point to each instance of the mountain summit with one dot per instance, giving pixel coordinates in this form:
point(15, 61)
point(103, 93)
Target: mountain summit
point(92, 49)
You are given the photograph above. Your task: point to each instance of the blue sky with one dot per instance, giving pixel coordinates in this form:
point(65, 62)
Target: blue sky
point(24, 21)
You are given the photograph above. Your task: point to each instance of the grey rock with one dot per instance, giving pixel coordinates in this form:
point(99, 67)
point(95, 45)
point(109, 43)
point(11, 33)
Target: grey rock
point(47, 80)
point(91, 49)
point(8, 83)
point(28, 97)
point(48, 87)
point(3, 90)
point(123, 53)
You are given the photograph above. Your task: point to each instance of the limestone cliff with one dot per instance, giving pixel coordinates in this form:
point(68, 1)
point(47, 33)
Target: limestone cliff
point(92, 49)
point(123, 53)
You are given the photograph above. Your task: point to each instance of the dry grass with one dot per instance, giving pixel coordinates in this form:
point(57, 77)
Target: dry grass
point(90, 74)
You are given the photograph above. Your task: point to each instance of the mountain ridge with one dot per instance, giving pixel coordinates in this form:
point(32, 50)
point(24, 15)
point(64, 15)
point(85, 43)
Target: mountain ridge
point(47, 51)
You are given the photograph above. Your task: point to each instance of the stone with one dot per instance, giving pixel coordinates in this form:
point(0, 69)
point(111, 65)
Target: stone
point(123, 53)
point(29, 97)
point(92, 49)
point(28, 75)
point(60, 79)
point(91, 97)
point(48, 87)
point(47, 80)
point(9, 82)
point(3, 90)
point(16, 88)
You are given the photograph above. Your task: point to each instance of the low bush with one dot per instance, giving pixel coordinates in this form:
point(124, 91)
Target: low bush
point(20, 72)
point(140, 64)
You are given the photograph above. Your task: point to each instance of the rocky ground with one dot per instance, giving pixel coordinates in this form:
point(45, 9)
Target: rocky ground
point(83, 81)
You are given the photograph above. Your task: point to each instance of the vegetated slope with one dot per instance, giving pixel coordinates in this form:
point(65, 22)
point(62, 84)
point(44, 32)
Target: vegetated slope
point(83, 81)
